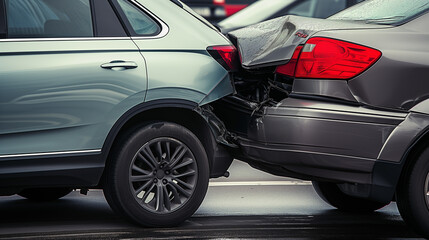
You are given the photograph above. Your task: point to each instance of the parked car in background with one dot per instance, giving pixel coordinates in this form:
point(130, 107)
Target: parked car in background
point(342, 101)
point(264, 10)
point(217, 10)
point(111, 94)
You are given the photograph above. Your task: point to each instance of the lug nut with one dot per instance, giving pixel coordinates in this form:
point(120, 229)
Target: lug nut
point(154, 172)
point(161, 166)
point(167, 172)
point(164, 181)
point(155, 180)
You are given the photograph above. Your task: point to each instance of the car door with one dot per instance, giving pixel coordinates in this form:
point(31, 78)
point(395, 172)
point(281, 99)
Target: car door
point(68, 71)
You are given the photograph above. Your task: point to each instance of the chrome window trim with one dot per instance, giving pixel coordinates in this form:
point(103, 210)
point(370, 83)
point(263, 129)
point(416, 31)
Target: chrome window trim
point(50, 153)
point(62, 39)
point(164, 31)
point(164, 27)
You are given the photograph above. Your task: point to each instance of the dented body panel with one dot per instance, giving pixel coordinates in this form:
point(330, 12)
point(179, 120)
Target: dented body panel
point(355, 131)
point(273, 42)
point(310, 138)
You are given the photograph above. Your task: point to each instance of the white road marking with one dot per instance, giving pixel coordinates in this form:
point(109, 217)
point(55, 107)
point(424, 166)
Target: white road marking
point(260, 183)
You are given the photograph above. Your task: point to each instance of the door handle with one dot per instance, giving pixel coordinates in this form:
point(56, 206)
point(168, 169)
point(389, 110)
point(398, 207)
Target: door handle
point(119, 64)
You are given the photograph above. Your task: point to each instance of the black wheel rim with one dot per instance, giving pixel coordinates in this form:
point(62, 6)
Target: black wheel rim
point(163, 175)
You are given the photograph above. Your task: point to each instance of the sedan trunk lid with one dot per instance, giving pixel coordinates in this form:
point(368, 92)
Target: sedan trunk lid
point(273, 42)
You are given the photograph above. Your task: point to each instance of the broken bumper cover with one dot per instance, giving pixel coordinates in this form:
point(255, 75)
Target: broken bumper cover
point(310, 139)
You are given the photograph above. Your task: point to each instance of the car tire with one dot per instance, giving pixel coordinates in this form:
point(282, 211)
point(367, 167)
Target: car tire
point(331, 194)
point(158, 175)
point(44, 194)
point(412, 196)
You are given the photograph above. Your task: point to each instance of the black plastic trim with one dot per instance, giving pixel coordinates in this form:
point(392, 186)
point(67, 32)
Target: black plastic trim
point(385, 177)
point(219, 157)
point(3, 20)
point(137, 110)
point(118, 15)
point(178, 3)
point(68, 170)
point(93, 15)
point(106, 20)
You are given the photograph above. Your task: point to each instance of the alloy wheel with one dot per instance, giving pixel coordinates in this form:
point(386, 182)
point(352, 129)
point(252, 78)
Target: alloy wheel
point(163, 175)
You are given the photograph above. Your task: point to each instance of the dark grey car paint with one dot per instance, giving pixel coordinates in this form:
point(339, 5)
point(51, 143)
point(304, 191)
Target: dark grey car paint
point(305, 135)
point(363, 139)
point(404, 61)
point(274, 41)
point(324, 87)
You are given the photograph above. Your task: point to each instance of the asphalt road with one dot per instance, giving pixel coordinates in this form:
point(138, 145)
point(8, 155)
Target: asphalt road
point(248, 205)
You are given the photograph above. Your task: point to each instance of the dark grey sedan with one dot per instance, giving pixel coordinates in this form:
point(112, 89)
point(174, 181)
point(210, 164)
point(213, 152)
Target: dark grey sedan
point(343, 102)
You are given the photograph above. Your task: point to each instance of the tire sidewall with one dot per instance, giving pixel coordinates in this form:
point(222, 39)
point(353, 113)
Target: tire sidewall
point(126, 199)
point(411, 195)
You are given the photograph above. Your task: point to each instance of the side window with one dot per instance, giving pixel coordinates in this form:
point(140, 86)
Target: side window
point(139, 23)
point(48, 18)
point(326, 8)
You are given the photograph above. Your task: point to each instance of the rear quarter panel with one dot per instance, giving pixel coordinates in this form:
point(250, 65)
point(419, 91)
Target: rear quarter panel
point(179, 66)
point(399, 80)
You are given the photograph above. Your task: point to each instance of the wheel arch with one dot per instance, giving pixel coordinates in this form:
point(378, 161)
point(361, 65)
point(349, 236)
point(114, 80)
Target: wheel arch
point(413, 152)
point(400, 151)
point(388, 175)
point(161, 110)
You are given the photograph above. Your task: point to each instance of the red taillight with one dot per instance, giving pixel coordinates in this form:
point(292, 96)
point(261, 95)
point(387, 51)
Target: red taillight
point(334, 59)
point(289, 68)
point(225, 55)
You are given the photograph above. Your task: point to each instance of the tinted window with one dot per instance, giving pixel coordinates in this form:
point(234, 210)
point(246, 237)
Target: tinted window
point(140, 23)
point(326, 8)
point(384, 11)
point(48, 18)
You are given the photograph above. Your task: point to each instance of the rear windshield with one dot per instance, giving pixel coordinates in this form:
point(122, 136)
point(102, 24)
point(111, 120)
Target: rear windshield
point(390, 12)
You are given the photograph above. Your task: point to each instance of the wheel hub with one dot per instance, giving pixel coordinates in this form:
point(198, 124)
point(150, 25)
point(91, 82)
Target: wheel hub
point(160, 174)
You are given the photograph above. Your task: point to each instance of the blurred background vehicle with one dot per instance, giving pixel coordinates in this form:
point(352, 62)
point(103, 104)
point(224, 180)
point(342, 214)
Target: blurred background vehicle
point(217, 10)
point(263, 10)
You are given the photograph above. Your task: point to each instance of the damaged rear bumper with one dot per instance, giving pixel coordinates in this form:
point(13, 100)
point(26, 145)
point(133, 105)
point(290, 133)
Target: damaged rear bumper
point(311, 140)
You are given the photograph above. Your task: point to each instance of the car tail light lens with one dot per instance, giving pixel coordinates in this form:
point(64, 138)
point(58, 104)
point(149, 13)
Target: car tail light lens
point(334, 59)
point(225, 55)
point(289, 68)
